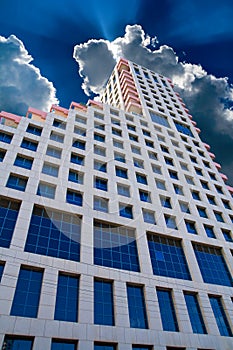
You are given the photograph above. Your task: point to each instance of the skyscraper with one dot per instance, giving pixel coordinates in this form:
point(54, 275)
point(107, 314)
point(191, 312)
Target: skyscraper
point(116, 225)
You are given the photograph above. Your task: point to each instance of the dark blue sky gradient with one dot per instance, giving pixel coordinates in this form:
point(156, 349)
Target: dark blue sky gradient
point(199, 31)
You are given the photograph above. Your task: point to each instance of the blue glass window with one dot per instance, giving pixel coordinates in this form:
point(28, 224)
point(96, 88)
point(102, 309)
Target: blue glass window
point(144, 196)
point(125, 211)
point(137, 307)
point(59, 124)
point(98, 137)
point(211, 200)
point(101, 184)
point(212, 265)
point(103, 303)
point(141, 347)
point(149, 143)
point(77, 159)
point(54, 234)
point(81, 131)
point(220, 316)
point(121, 173)
point(63, 345)
point(119, 157)
point(8, 215)
point(54, 152)
point(170, 222)
point(166, 202)
point(195, 195)
point(23, 162)
point(159, 120)
point(75, 176)
point(178, 189)
point(118, 144)
point(123, 190)
point(104, 346)
point(28, 144)
point(56, 137)
point(168, 161)
point(183, 129)
point(141, 179)
point(116, 132)
point(50, 169)
point(79, 144)
point(202, 212)
point(164, 149)
point(191, 228)
point(99, 126)
point(218, 216)
point(138, 163)
point(173, 174)
point(226, 204)
point(16, 343)
point(184, 207)
point(100, 166)
point(209, 231)
point(17, 182)
point(212, 176)
point(46, 190)
point(4, 137)
point(227, 235)
point(74, 197)
point(115, 246)
point(194, 312)
point(100, 151)
point(132, 127)
point(167, 257)
point(146, 132)
point(34, 130)
point(27, 293)
point(101, 204)
point(160, 184)
point(148, 216)
point(198, 172)
point(2, 155)
point(66, 308)
point(1, 270)
point(167, 310)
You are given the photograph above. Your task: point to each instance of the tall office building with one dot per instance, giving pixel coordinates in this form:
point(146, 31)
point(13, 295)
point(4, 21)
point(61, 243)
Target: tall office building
point(116, 225)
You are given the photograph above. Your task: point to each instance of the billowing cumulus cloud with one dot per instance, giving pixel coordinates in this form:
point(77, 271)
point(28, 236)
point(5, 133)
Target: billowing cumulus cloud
point(207, 96)
point(21, 84)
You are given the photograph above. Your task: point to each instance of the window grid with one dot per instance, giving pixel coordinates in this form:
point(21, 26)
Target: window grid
point(54, 234)
point(167, 310)
point(167, 257)
point(137, 307)
point(212, 265)
point(194, 312)
point(115, 247)
point(66, 308)
point(103, 303)
point(8, 215)
point(27, 293)
point(220, 316)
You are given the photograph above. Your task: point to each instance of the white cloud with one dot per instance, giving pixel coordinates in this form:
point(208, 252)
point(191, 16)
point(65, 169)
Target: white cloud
point(204, 93)
point(21, 84)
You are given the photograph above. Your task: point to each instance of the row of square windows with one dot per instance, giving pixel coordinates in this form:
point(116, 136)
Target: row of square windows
point(44, 189)
point(56, 152)
point(13, 342)
point(58, 234)
point(30, 284)
point(60, 124)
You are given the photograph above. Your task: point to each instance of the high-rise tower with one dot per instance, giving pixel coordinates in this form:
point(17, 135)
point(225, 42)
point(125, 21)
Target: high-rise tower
point(115, 225)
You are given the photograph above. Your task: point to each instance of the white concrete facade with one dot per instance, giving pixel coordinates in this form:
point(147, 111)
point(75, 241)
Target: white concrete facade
point(153, 147)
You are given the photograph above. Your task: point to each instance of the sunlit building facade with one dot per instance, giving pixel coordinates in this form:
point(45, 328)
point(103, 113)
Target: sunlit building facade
point(115, 225)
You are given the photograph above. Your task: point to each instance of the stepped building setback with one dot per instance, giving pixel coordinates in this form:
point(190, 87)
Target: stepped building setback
point(115, 225)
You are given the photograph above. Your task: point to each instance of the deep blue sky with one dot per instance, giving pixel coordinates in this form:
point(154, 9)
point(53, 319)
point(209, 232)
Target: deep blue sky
point(200, 31)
